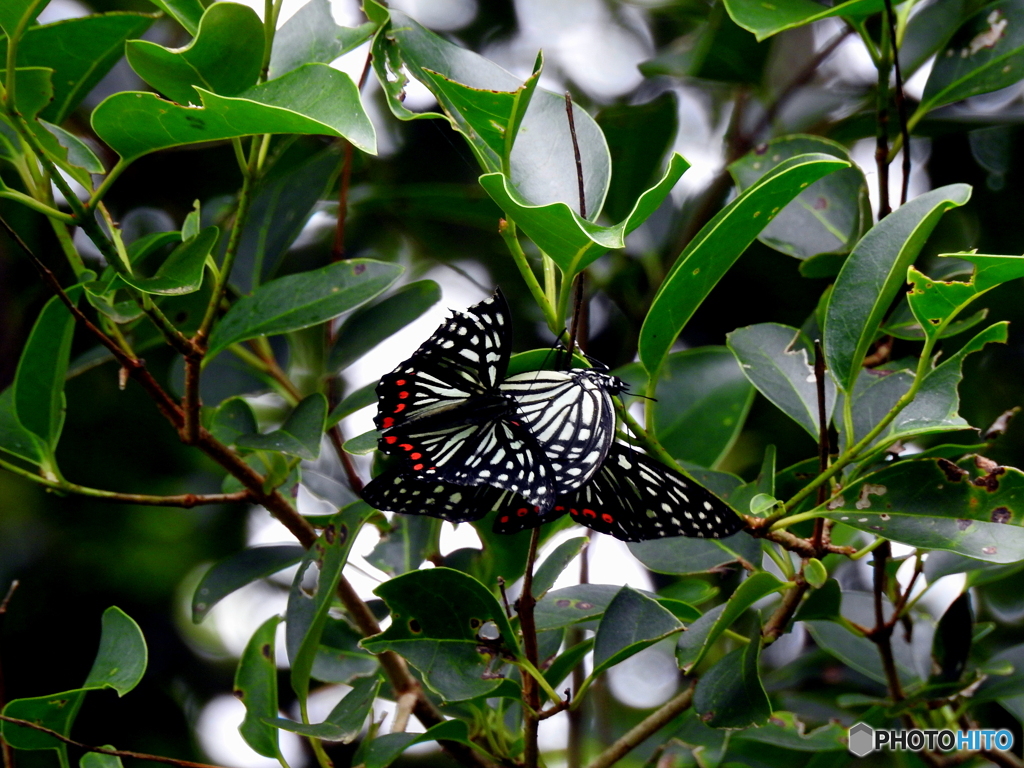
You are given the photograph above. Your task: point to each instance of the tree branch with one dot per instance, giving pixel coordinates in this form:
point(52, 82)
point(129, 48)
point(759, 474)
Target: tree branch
point(5, 748)
point(646, 728)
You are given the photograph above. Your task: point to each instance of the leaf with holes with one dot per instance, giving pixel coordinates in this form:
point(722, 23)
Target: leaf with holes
point(450, 627)
point(256, 687)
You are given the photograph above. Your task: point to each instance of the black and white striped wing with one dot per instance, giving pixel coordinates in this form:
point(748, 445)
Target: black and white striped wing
point(571, 415)
point(634, 498)
point(466, 356)
point(400, 491)
point(493, 451)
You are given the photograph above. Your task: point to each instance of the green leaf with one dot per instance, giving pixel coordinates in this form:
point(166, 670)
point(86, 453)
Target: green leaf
point(927, 31)
point(1001, 687)
point(370, 325)
point(786, 731)
point(19, 12)
point(555, 563)
point(823, 603)
point(299, 435)
point(311, 36)
point(339, 659)
point(558, 230)
point(951, 644)
point(80, 52)
point(56, 712)
point(411, 539)
point(932, 503)
point(363, 444)
point(639, 136)
point(815, 573)
point(307, 609)
point(224, 57)
point(763, 485)
point(775, 359)
point(345, 721)
point(765, 19)
point(702, 634)
point(78, 152)
point(39, 381)
point(827, 217)
point(352, 402)
point(256, 687)
point(313, 99)
point(384, 750)
point(232, 419)
point(703, 402)
point(121, 659)
point(544, 132)
point(100, 760)
point(567, 661)
point(730, 694)
point(985, 54)
point(631, 623)
point(183, 270)
point(437, 617)
point(188, 13)
point(239, 569)
point(708, 256)
point(872, 276)
point(684, 556)
point(572, 605)
point(301, 300)
point(14, 438)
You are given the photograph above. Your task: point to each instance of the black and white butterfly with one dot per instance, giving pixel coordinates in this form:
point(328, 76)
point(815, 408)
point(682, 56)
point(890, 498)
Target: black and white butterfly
point(631, 497)
point(448, 414)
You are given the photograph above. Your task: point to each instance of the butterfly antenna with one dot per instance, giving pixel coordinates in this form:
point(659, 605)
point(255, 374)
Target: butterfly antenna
point(579, 319)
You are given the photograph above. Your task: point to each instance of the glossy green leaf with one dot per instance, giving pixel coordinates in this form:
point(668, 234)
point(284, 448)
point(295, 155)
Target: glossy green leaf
point(823, 604)
point(311, 36)
point(300, 434)
point(786, 731)
point(933, 504)
point(437, 617)
point(239, 569)
point(827, 217)
point(902, 324)
point(307, 607)
point(985, 54)
point(384, 750)
point(224, 57)
point(1003, 686)
point(815, 573)
point(284, 199)
point(100, 760)
point(639, 137)
point(301, 300)
point(345, 721)
point(558, 230)
point(361, 445)
point(370, 325)
point(703, 402)
point(39, 381)
point(766, 19)
point(183, 270)
point(352, 402)
point(681, 556)
point(188, 13)
point(122, 657)
point(14, 438)
point(78, 152)
point(693, 591)
point(572, 605)
point(544, 133)
point(872, 276)
point(256, 687)
point(15, 13)
point(56, 712)
point(339, 659)
point(555, 563)
point(232, 419)
point(702, 634)
point(565, 662)
point(763, 485)
point(411, 539)
point(708, 256)
point(313, 99)
point(631, 623)
point(927, 31)
point(730, 694)
point(775, 359)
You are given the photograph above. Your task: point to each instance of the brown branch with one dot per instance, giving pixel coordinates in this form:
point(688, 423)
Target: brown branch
point(646, 728)
point(818, 539)
point(881, 634)
point(758, 527)
point(531, 690)
point(776, 625)
point(576, 154)
point(882, 125)
point(104, 750)
point(901, 102)
point(190, 402)
point(574, 746)
point(338, 250)
point(5, 748)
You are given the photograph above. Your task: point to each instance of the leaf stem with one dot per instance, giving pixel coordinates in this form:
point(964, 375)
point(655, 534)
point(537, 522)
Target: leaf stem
point(106, 184)
point(38, 207)
point(531, 690)
point(507, 229)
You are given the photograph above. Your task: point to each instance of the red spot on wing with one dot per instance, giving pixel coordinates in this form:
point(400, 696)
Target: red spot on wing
point(415, 456)
point(607, 518)
point(399, 408)
point(574, 511)
point(390, 439)
point(559, 509)
point(417, 467)
point(388, 421)
point(403, 395)
point(504, 519)
point(522, 511)
point(589, 513)
point(400, 382)
point(405, 447)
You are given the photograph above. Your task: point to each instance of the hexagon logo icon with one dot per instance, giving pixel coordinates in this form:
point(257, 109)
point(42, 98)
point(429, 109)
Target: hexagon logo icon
point(861, 739)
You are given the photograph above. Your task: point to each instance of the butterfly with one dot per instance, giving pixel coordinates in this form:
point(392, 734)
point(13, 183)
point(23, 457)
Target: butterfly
point(451, 415)
point(631, 497)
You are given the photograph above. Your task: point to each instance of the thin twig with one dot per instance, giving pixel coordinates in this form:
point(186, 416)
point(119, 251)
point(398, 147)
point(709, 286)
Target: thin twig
point(338, 250)
point(901, 102)
point(578, 286)
point(574, 747)
point(403, 709)
point(882, 125)
point(104, 750)
point(646, 728)
point(576, 154)
point(777, 623)
point(818, 538)
point(881, 634)
point(531, 691)
point(5, 748)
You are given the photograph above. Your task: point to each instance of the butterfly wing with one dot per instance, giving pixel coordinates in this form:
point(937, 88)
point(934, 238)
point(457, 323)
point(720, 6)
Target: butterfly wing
point(466, 356)
point(635, 498)
point(399, 491)
point(571, 415)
